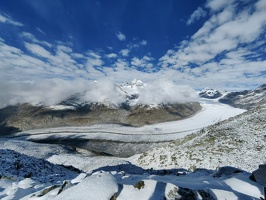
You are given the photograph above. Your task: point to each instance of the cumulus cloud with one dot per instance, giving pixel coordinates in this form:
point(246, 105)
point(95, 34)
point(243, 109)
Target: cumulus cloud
point(124, 52)
point(196, 15)
point(93, 62)
point(143, 63)
point(121, 36)
point(111, 55)
point(135, 44)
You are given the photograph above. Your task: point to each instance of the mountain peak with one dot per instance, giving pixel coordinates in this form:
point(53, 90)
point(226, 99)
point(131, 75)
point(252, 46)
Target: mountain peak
point(210, 93)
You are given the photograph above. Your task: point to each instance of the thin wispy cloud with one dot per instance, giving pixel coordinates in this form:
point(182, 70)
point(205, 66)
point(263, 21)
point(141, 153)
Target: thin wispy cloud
point(32, 38)
point(217, 5)
point(4, 18)
point(196, 15)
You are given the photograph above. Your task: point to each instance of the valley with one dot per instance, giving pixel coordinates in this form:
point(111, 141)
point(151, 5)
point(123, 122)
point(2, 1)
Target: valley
point(197, 157)
point(124, 141)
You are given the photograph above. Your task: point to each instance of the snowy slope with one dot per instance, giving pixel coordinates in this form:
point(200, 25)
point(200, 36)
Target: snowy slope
point(117, 178)
point(24, 177)
point(121, 185)
point(238, 141)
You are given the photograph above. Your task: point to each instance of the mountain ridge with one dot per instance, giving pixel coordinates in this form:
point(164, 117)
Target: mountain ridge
point(246, 99)
point(221, 144)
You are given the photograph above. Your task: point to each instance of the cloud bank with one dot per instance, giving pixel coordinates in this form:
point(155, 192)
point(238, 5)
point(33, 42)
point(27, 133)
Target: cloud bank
point(52, 92)
point(165, 91)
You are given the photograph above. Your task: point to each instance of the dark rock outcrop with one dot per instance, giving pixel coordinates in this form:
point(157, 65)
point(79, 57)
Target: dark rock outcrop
point(227, 171)
point(259, 175)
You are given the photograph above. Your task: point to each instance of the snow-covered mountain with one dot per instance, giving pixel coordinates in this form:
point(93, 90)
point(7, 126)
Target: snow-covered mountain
point(238, 141)
point(246, 99)
point(77, 111)
point(211, 93)
point(131, 90)
point(128, 91)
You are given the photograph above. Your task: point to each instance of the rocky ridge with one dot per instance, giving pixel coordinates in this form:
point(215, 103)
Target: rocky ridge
point(246, 99)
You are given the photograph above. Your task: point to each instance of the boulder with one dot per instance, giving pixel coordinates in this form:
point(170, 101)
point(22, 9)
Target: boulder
point(259, 175)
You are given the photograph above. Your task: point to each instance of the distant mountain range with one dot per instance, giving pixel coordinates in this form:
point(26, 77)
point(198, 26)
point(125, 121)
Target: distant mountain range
point(246, 99)
point(75, 112)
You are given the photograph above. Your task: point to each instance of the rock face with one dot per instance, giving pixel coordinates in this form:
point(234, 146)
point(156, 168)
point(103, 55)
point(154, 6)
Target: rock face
point(25, 117)
point(19, 165)
point(246, 99)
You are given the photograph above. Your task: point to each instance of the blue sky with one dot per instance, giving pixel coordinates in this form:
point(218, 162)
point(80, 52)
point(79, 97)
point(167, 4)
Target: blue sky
point(201, 43)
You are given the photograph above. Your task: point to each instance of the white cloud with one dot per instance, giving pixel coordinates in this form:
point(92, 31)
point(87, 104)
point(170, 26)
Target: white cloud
point(41, 31)
point(38, 50)
point(111, 55)
point(103, 90)
point(143, 63)
point(217, 5)
point(136, 61)
point(124, 52)
point(136, 44)
point(196, 15)
point(120, 64)
point(143, 42)
point(222, 48)
point(7, 19)
point(47, 92)
point(32, 38)
point(165, 91)
point(94, 62)
point(93, 54)
point(121, 36)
